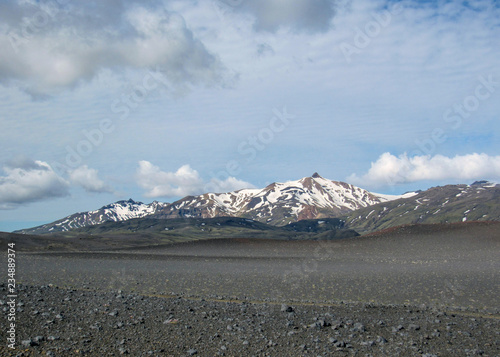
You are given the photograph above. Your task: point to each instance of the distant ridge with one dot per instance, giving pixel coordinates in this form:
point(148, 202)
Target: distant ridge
point(313, 197)
point(277, 204)
point(118, 211)
point(443, 204)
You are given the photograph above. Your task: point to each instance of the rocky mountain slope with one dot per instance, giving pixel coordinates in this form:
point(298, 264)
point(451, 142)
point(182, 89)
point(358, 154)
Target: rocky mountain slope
point(118, 211)
point(444, 204)
point(277, 204)
point(313, 197)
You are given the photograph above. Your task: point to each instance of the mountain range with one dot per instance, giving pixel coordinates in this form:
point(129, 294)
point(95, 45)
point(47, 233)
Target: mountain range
point(278, 203)
point(312, 197)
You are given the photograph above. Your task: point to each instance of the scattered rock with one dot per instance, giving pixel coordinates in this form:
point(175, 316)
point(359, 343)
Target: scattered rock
point(38, 339)
point(340, 344)
point(398, 328)
point(413, 327)
point(224, 330)
point(359, 327)
point(29, 343)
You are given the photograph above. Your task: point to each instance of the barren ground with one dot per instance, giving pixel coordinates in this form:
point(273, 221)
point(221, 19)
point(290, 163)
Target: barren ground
point(409, 291)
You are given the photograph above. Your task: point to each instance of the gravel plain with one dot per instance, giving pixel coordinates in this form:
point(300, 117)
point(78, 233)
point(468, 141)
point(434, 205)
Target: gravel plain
point(412, 291)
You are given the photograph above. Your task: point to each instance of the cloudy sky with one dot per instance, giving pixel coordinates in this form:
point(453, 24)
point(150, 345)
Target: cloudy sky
point(109, 100)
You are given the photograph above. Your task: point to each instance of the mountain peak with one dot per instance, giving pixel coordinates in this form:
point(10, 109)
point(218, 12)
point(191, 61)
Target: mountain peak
point(123, 203)
point(482, 182)
point(278, 203)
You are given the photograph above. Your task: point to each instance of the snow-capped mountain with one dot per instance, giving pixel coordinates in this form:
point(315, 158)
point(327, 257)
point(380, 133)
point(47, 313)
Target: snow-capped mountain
point(118, 211)
point(479, 201)
point(277, 204)
point(308, 198)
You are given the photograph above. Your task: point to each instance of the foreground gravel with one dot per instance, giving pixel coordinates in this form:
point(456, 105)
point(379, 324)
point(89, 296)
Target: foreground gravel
point(53, 321)
point(413, 291)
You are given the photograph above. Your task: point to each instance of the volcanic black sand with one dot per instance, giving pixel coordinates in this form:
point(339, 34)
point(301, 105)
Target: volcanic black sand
point(411, 291)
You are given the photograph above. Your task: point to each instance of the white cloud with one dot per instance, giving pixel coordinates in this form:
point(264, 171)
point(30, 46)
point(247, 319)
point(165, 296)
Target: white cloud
point(88, 179)
point(389, 169)
point(227, 185)
point(184, 182)
point(48, 47)
point(30, 181)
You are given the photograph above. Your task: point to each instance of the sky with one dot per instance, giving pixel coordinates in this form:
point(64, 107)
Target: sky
point(108, 100)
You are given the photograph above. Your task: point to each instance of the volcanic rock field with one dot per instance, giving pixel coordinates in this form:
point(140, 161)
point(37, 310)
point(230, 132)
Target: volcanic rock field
point(429, 290)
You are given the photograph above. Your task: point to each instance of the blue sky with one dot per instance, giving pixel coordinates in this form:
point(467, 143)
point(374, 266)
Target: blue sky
point(102, 101)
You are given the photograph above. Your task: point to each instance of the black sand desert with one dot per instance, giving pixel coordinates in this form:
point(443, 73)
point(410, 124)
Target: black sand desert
point(429, 290)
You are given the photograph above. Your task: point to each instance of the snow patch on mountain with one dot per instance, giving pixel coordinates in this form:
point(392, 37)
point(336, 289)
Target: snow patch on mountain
point(278, 204)
point(118, 211)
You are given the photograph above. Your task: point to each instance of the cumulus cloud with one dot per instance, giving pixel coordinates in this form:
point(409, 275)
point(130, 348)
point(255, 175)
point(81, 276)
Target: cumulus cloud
point(157, 183)
point(183, 182)
point(300, 15)
point(47, 47)
point(227, 185)
point(89, 180)
point(389, 169)
point(29, 181)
